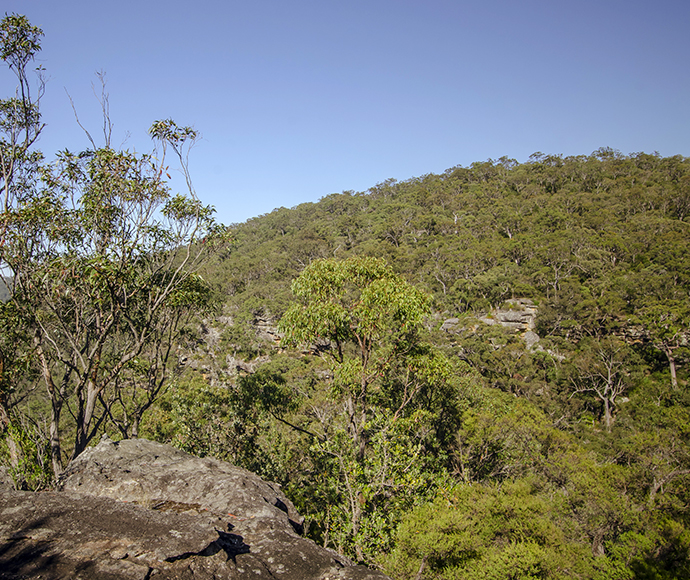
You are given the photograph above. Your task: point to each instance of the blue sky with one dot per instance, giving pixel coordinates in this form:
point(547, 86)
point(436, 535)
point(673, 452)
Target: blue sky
point(298, 99)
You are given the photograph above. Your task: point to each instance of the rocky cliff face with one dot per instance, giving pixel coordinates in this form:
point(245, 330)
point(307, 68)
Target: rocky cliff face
point(518, 315)
point(138, 510)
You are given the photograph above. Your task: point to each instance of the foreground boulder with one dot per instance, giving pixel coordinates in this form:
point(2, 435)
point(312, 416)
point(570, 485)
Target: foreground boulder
point(138, 510)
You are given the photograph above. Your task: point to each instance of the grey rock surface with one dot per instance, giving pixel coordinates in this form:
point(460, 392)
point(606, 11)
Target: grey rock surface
point(152, 474)
point(138, 509)
point(5, 479)
point(61, 535)
point(519, 315)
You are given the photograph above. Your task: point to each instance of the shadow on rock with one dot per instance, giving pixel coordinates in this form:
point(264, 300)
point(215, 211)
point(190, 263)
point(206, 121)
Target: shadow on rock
point(232, 544)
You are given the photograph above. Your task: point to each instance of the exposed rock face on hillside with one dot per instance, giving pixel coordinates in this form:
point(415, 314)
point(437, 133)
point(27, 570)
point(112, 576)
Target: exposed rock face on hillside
point(267, 328)
point(519, 315)
point(138, 510)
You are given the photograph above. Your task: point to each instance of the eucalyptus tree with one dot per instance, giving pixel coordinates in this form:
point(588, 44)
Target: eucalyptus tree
point(103, 259)
point(20, 127)
point(603, 367)
point(390, 397)
point(20, 117)
point(105, 265)
point(365, 316)
point(667, 325)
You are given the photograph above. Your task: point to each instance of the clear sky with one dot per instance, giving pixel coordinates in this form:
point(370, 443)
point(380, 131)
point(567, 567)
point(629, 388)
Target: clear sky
point(297, 99)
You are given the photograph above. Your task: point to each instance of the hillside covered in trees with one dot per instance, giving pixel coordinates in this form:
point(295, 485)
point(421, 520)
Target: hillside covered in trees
point(453, 446)
point(479, 374)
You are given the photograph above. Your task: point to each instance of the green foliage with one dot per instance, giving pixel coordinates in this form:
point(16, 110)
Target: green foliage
point(386, 450)
point(107, 280)
point(541, 507)
point(366, 320)
point(24, 447)
point(486, 531)
point(603, 367)
point(219, 422)
point(667, 323)
point(104, 263)
point(20, 41)
point(430, 450)
point(357, 300)
point(599, 243)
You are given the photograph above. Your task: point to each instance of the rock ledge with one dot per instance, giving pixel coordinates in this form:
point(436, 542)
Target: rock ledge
point(137, 510)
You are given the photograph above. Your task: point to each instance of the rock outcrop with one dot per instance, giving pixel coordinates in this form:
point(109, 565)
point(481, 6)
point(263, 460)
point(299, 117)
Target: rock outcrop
point(5, 478)
point(518, 315)
point(136, 510)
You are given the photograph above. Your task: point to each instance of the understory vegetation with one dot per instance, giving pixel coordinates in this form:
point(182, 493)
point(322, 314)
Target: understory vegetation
point(414, 430)
point(478, 374)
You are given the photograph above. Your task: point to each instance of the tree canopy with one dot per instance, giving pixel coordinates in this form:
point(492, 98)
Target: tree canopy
point(102, 262)
point(587, 408)
point(372, 352)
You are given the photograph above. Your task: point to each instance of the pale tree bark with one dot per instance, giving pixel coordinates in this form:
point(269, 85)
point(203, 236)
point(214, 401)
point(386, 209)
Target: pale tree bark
point(603, 371)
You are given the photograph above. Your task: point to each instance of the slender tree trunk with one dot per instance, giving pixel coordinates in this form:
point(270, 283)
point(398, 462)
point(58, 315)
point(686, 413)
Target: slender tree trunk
point(659, 483)
point(84, 418)
point(4, 412)
point(15, 453)
point(672, 366)
point(79, 434)
point(56, 401)
point(5, 423)
point(4, 399)
point(356, 428)
point(608, 416)
point(598, 550)
point(55, 449)
point(362, 443)
point(421, 569)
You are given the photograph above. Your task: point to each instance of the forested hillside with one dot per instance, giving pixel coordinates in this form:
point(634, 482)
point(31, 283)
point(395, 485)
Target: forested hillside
point(449, 446)
point(480, 374)
point(605, 233)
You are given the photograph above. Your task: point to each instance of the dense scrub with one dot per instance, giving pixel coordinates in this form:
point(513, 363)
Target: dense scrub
point(355, 354)
point(566, 459)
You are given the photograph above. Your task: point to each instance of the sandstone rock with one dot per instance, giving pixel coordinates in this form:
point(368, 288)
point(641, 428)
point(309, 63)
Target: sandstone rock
point(267, 328)
point(138, 510)
point(61, 535)
point(450, 325)
point(519, 315)
point(238, 366)
point(531, 339)
point(5, 478)
point(162, 477)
